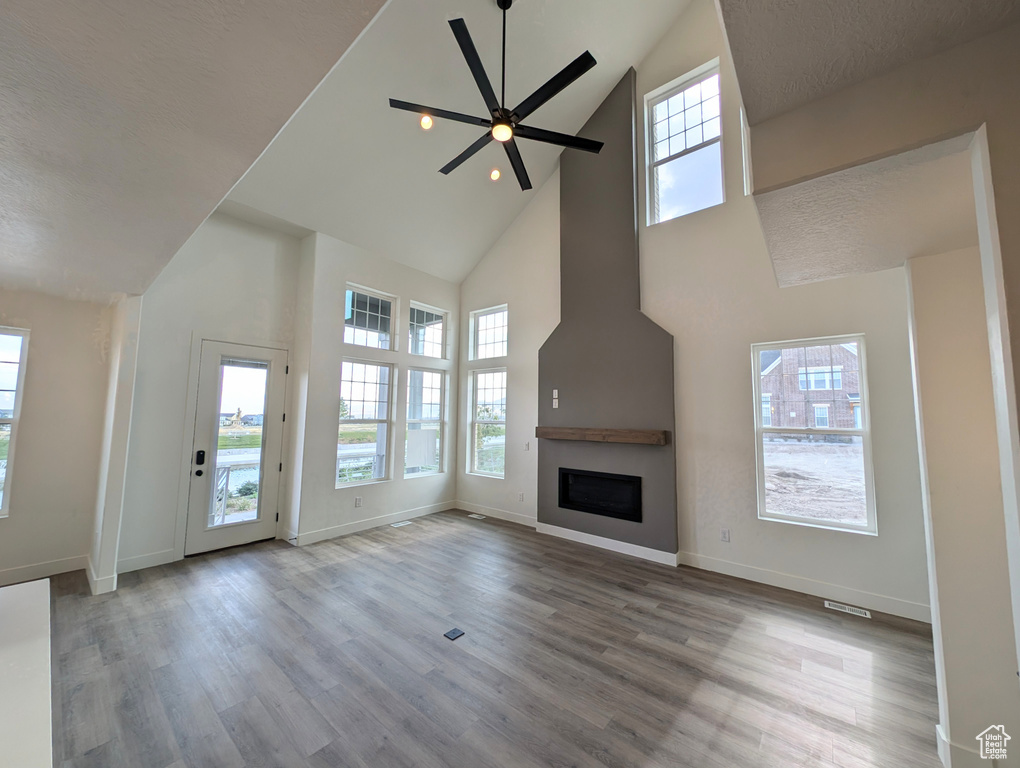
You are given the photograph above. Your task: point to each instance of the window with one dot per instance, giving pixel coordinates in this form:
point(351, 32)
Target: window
point(364, 422)
point(423, 449)
point(368, 318)
point(426, 334)
point(814, 440)
point(489, 333)
point(685, 171)
point(488, 423)
point(821, 416)
point(817, 377)
point(13, 349)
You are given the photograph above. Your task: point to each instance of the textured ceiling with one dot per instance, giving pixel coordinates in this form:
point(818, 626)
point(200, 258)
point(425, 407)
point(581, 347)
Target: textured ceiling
point(349, 166)
point(790, 52)
point(873, 216)
point(126, 121)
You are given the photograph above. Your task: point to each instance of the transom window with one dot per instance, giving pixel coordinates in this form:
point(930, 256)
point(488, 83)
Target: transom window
point(362, 440)
point(423, 450)
point(814, 434)
point(13, 350)
point(489, 333)
point(368, 319)
point(684, 138)
point(426, 333)
point(488, 423)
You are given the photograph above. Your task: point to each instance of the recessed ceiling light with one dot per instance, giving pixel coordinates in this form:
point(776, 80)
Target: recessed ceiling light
point(495, 174)
point(426, 122)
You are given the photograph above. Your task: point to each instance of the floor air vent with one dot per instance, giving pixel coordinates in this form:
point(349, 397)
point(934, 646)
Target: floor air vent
point(477, 517)
point(848, 609)
point(400, 525)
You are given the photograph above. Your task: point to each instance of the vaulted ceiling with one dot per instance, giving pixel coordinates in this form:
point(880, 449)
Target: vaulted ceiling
point(125, 123)
point(350, 166)
point(789, 52)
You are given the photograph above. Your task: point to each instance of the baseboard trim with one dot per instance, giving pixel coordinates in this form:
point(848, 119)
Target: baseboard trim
point(99, 585)
point(870, 600)
point(499, 514)
point(42, 570)
point(645, 553)
point(139, 562)
point(955, 755)
point(311, 537)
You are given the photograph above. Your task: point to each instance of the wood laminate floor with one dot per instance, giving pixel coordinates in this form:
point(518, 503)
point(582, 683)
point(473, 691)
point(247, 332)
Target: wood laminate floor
point(334, 655)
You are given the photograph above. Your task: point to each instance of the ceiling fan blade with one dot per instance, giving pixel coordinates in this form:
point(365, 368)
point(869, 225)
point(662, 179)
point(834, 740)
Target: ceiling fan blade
point(483, 141)
point(444, 113)
point(559, 139)
point(567, 75)
point(517, 162)
point(467, 47)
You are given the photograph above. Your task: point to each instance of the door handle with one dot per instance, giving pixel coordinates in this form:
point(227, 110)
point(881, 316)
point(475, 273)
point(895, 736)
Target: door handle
point(199, 458)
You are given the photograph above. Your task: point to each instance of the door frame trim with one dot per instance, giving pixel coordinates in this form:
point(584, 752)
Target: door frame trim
point(191, 414)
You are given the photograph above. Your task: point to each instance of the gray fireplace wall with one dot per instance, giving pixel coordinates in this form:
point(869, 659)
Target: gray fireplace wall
point(612, 366)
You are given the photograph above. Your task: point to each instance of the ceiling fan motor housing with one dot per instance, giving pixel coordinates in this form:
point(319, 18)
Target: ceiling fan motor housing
point(504, 5)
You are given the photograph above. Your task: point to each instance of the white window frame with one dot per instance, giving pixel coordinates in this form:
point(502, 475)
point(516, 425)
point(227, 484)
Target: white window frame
point(446, 329)
point(871, 527)
point(666, 91)
point(441, 421)
point(394, 317)
point(823, 407)
point(388, 421)
point(14, 419)
point(475, 316)
point(473, 422)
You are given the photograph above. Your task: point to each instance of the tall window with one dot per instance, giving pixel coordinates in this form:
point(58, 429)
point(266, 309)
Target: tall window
point(685, 151)
point(13, 348)
point(361, 446)
point(488, 423)
point(814, 445)
point(368, 319)
point(426, 332)
point(489, 333)
point(423, 449)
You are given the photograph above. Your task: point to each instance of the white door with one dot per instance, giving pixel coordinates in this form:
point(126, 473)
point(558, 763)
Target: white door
point(236, 458)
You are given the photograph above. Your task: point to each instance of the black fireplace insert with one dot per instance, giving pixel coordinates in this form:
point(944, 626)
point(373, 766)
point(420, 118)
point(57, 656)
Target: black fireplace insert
point(601, 493)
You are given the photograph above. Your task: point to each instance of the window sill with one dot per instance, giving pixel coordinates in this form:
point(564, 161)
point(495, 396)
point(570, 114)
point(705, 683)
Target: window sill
point(484, 474)
point(805, 523)
point(423, 474)
point(360, 484)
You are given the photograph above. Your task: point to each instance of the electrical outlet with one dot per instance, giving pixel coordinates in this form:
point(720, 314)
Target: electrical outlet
point(527, 447)
point(357, 501)
point(725, 534)
point(520, 497)
point(556, 403)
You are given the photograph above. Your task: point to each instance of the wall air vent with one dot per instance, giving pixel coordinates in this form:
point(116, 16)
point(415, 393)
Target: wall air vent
point(847, 609)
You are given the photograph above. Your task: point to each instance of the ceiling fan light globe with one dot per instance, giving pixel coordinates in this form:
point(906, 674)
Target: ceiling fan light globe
point(426, 122)
point(495, 174)
point(502, 132)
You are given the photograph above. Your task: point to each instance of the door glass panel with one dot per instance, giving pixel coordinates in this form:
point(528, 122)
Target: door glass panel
point(238, 452)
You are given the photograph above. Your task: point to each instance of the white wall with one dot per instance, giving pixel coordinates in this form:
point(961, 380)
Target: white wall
point(327, 266)
point(53, 479)
point(976, 659)
point(522, 271)
point(232, 281)
point(708, 280)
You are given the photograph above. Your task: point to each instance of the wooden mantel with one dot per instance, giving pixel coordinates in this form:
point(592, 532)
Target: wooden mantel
point(597, 435)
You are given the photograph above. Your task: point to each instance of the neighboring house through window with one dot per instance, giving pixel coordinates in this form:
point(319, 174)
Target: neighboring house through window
point(685, 168)
point(13, 351)
point(813, 439)
point(368, 318)
point(427, 329)
point(363, 437)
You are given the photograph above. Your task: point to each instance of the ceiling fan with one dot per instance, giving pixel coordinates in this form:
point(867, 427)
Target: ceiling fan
point(505, 124)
